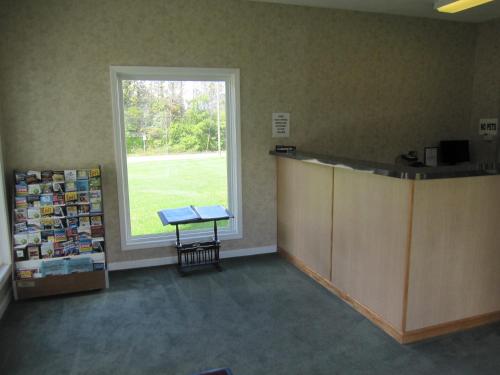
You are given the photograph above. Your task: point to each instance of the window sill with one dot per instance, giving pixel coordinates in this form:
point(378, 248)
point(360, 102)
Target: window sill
point(169, 241)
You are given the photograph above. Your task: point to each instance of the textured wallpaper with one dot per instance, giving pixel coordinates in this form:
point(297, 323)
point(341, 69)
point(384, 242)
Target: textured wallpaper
point(486, 92)
point(359, 85)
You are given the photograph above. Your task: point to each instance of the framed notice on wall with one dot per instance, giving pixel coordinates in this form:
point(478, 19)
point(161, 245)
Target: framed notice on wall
point(281, 125)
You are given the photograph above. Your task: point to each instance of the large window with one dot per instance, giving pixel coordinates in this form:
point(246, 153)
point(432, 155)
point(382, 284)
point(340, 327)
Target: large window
point(177, 144)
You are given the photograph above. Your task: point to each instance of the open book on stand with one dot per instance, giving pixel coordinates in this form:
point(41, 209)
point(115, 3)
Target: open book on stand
point(192, 214)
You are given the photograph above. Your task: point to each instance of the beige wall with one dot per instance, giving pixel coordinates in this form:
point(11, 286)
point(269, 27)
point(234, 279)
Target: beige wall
point(486, 92)
point(359, 85)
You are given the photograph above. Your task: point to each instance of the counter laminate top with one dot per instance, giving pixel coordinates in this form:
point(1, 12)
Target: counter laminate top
point(392, 170)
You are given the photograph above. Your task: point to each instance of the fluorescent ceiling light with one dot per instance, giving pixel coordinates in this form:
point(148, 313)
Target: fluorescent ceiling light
point(455, 6)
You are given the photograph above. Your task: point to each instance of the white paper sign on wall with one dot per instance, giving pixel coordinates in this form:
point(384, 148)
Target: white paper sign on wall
point(488, 128)
point(281, 125)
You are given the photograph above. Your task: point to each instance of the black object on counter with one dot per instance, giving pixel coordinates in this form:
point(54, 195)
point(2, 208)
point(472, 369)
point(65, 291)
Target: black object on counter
point(283, 148)
point(453, 152)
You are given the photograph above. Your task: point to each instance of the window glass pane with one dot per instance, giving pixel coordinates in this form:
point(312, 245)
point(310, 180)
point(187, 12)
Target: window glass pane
point(175, 135)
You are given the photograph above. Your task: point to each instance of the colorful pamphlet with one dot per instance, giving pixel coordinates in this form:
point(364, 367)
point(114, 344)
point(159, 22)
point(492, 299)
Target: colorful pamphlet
point(34, 224)
point(34, 213)
point(82, 174)
point(20, 254)
point(95, 183)
point(96, 220)
point(94, 172)
point(20, 177)
point(58, 176)
point(58, 249)
point(95, 196)
point(21, 202)
point(59, 235)
point(20, 227)
point(70, 175)
point(46, 222)
point(85, 245)
point(46, 199)
point(46, 188)
point(98, 246)
point(33, 252)
point(83, 209)
point(47, 176)
point(72, 222)
point(97, 231)
point(84, 221)
point(58, 199)
point(33, 201)
point(70, 186)
point(83, 197)
point(45, 210)
point(71, 232)
point(84, 231)
point(21, 214)
point(37, 175)
point(34, 238)
point(47, 235)
point(82, 185)
point(47, 249)
point(59, 211)
point(21, 189)
point(25, 274)
point(95, 207)
point(72, 211)
point(69, 248)
point(70, 197)
point(34, 189)
point(58, 223)
point(21, 239)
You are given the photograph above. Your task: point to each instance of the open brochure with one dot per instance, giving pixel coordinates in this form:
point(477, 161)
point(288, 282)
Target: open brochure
point(192, 214)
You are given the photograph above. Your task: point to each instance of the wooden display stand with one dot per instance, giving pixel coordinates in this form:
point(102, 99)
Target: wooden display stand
point(58, 233)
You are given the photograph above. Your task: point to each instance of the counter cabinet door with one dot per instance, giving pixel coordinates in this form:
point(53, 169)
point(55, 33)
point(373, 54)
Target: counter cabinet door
point(305, 193)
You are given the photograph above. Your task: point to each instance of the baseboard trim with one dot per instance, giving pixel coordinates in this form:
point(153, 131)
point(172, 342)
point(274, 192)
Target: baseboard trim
point(403, 337)
point(359, 307)
point(450, 327)
point(154, 262)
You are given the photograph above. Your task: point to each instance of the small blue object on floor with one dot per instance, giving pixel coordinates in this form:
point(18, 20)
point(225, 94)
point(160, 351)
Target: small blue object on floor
point(218, 371)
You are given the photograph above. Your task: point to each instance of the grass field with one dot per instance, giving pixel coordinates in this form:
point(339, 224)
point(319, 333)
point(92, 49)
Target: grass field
point(159, 184)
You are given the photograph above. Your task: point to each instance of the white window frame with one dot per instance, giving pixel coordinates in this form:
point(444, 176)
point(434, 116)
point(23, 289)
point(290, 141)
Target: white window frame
point(5, 240)
point(233, 152)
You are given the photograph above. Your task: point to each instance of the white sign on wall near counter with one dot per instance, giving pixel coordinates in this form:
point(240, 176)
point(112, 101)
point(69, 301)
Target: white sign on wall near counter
point(488, 128)
point(281, 125)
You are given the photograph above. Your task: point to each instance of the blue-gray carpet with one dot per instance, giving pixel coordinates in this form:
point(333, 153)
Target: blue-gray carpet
point(259, 316)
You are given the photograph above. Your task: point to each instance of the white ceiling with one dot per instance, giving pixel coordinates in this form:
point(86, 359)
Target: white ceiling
point(415, 8)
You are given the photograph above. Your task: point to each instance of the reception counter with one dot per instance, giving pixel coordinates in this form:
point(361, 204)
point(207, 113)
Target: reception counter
point(415, 250)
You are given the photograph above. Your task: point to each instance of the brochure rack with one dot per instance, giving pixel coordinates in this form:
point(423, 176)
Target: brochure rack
point(58, 232)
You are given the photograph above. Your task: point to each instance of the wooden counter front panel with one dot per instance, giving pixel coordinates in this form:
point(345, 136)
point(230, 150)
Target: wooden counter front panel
point(305, 193)
point(455, 254)
point(370, 239)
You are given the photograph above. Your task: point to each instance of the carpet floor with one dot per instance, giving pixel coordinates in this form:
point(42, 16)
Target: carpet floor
point(259, 316)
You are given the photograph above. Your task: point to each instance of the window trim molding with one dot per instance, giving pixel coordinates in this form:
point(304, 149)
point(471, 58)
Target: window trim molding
point(5, 234)
point(233, 152)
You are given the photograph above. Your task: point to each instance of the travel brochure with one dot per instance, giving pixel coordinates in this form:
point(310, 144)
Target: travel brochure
point(57, 213)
